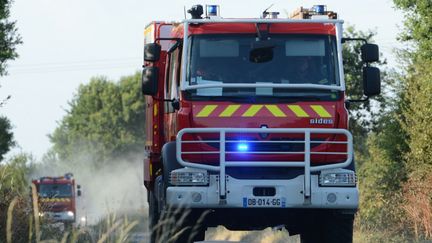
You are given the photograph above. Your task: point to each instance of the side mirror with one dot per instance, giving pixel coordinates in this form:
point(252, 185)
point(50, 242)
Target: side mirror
point(369, 53)
point(152, 52)
point(371, 81)
point(149, 80)
point(78, 190)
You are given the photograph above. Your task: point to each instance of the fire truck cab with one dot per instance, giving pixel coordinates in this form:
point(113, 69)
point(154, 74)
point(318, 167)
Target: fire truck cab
point(56, 198)
point(246, 125)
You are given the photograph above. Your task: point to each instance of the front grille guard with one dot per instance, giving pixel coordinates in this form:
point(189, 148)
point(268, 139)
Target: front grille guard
point(307, 152)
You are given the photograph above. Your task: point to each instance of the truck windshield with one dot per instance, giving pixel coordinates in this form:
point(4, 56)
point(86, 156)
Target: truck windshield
point(289, 59)
point(55, 190)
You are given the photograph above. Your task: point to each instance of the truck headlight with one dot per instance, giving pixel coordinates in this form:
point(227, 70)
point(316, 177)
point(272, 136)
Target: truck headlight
point(189, 177)
point(338, 178)
point(70, 213)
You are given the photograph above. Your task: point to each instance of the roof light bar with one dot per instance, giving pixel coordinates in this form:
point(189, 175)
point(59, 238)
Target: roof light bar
point(320, 9)
point(212, 11)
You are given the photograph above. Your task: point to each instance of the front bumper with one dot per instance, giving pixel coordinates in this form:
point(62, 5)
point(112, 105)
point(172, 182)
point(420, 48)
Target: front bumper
point(288, 192)
point(58, 216)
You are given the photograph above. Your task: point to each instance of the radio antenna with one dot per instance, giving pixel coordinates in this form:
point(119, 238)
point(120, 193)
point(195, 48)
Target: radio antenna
point(264, 13)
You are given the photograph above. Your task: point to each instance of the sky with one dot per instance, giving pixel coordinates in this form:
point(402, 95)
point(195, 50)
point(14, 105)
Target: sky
point(67, 42)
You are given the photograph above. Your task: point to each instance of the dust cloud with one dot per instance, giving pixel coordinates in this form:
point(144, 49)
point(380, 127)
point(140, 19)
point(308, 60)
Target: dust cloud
point(115, 187)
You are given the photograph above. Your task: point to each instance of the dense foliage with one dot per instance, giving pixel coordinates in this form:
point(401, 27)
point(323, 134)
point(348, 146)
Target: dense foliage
point(416, 116)
point(418, 28)
point(395, 180)
point(6, 136)
point(105, 119)
point(362, 116)
point(9, 38)
point(14, 197)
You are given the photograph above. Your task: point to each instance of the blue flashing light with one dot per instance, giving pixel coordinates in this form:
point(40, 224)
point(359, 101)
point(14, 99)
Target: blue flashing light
point(212, 10)
point(242, 147)
point(320, 9)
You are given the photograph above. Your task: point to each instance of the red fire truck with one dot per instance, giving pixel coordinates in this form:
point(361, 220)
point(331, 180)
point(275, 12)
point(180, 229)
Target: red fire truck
point(246, 123)
point(57, 198)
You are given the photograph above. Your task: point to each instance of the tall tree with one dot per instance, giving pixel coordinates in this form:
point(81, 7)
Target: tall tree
point(363, 116)
point(105, 120)
point(418, 27)
point(416, 114)
point(379, 143)
point(417, 98)
point(383, 173)
point(416, 117)
point(9, 38)
point(6, 136)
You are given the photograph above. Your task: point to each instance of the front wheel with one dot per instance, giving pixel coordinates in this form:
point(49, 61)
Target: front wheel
point(182, 225)
point(177, 225)
point(333, 228)
point(153, 217)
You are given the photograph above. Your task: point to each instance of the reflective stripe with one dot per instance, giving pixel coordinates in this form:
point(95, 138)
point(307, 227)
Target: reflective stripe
point(321, 111)
point(274, 109)
point(243, 110)
point(206, 111)
point(298, 111)
point(155, 110)
point(54, 200)
point(229, 110)
point(150, 169)
point(252, 110)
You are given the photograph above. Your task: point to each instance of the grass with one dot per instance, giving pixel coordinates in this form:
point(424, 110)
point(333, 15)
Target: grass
point(9, 220)
point(118, 229)
point(176, 223)
point(381, 236)
point(111, 229)
point(19, 221)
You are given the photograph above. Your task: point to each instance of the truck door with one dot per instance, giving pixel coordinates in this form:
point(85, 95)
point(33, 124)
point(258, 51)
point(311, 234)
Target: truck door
point(171, 93)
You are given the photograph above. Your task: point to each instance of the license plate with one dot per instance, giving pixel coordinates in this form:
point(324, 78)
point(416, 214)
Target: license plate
point(263, 202)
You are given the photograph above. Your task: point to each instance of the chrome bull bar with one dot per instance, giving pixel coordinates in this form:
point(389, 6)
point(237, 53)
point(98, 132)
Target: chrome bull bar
point(223, 163)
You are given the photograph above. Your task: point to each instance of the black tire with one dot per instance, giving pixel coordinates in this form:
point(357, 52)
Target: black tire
point(156, 198)
point(198, 231)
point(185, 228)
point(153, 217)
point(311, 234)
point(335, 228)
point(341, 231)
point(190, 236)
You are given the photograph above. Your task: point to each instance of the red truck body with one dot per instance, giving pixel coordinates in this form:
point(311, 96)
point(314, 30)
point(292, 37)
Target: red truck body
point(57, 198)
point(234, 129)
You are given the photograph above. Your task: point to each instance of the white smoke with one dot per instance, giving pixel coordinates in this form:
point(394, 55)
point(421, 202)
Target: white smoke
point(115, 187)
